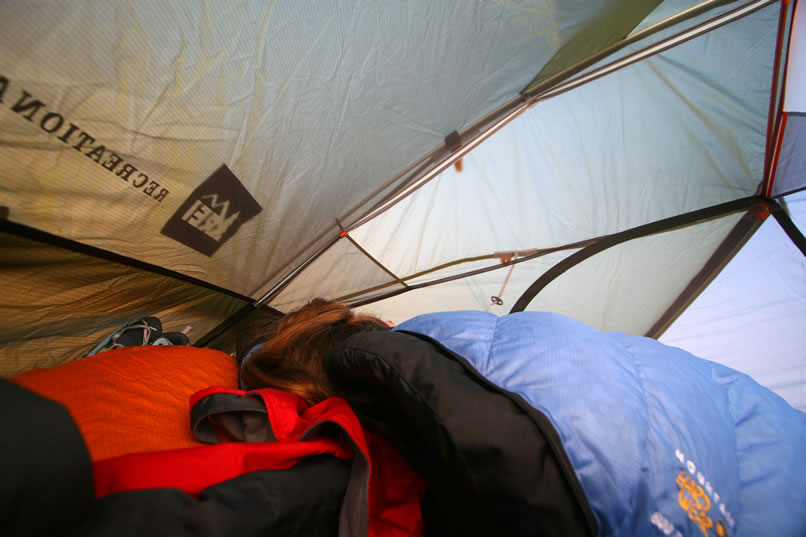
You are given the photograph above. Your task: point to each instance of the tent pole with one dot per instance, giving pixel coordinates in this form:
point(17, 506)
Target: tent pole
point(617, 238)
point(536, 88)
point(776, 120)
point(559, 83)
point(589, 248)
point(734, 242)
point(789, 227)
point(261, 302)
point(429, 166)
point(522, 257)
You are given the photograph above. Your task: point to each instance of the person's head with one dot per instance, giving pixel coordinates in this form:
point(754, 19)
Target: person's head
point(293, 357)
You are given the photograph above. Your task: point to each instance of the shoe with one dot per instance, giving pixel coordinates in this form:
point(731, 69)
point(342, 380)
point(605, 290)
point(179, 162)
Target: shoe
point(172, 338)
point(145, 331)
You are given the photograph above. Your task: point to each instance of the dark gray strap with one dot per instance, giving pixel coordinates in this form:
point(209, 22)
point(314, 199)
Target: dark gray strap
point(232, 416)
point(354, 516)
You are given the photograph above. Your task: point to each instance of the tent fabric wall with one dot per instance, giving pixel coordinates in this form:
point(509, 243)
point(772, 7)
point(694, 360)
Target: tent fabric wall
point(57, 302)
point(272, 130)
point(312, 106)
point(790, 173)
point(795, 98)
point(758, 330)
point(671, 134)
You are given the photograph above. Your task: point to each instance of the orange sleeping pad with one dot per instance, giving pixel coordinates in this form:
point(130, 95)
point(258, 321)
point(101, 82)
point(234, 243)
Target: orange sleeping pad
point(133, 399)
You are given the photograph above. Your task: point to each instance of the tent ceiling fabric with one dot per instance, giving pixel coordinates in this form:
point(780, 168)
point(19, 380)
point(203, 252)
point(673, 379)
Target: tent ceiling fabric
point(668, 135)
point(234, 142)
point(312, 106)
point(670, 21)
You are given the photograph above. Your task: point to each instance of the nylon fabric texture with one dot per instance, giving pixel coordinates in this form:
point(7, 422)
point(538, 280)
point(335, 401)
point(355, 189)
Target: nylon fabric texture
point(133, 399)
point(643, 423)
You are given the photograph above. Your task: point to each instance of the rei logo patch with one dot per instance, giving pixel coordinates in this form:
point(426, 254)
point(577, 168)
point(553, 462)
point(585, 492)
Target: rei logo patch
point(213, 213)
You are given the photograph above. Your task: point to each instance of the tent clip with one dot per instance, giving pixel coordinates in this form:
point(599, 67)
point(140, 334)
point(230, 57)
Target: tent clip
point(496, 300)
point(453, 142)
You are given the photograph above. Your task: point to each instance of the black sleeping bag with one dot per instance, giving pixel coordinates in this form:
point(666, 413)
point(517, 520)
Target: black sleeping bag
point(495, 465)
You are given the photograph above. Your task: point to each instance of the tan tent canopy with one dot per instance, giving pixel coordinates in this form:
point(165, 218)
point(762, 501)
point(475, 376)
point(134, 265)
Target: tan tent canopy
point(205, 162)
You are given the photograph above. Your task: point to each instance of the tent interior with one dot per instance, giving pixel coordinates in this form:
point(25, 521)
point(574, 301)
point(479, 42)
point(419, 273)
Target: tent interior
point(636, 165)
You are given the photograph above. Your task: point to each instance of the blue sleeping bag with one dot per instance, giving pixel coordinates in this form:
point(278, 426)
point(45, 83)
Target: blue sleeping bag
point(662, 442)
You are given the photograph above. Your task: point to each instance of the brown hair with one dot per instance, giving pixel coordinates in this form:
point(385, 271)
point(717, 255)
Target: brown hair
point(293, 357)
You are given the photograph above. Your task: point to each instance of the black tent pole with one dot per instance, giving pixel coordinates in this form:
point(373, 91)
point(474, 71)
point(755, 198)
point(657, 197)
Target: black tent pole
point(617, 238)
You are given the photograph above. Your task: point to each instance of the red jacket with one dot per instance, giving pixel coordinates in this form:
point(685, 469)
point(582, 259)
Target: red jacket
point(273, 430)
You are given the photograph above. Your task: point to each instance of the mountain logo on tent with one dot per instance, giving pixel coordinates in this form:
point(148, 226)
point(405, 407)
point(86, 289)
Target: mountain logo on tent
point(213, 213)
point(211, 218)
